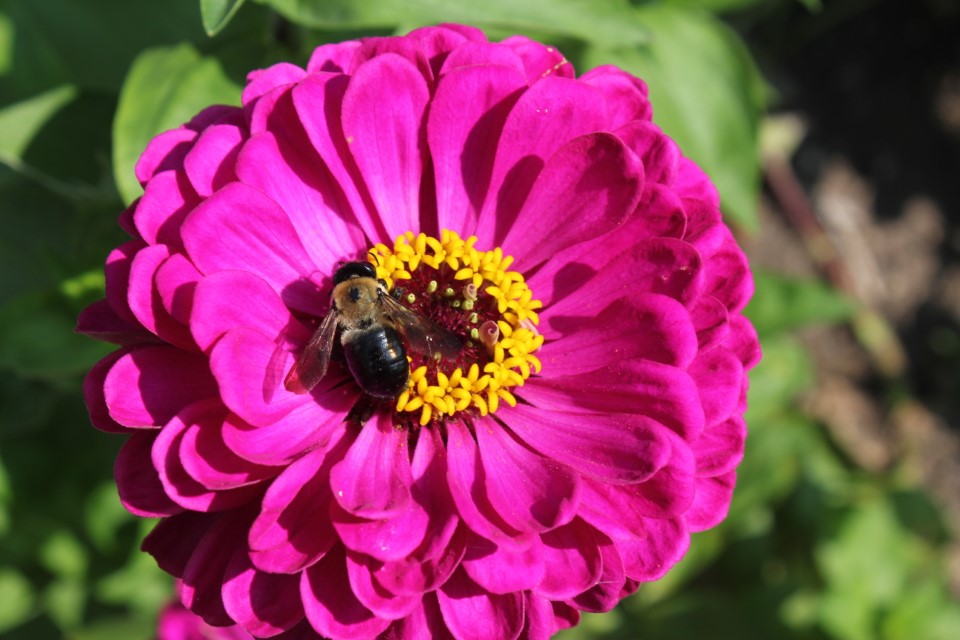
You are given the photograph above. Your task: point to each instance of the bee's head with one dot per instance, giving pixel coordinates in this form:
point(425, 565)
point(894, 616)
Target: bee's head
point(354, 270)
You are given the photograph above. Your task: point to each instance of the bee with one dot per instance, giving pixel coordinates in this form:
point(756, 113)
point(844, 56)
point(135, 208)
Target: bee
point(375, 330)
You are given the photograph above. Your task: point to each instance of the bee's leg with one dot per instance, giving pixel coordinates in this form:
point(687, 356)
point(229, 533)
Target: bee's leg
point(362, 410)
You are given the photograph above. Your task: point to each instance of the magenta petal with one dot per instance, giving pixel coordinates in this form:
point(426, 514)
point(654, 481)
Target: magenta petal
point(472, 612)
point(565, 616)
point(540, 60)
point(207, 459)
point(210, 163)
point(412, 576)
point(742, 340)
point(373, 596)
point(660, 154)
point(661, 392)
point(671, 490)
point(501, 570)
point(712, 501)
point(719, 449)
point(655, 550)
point(333, 610)
point(264, 604)
point(606, 593)
point(94, 398)
point(229, 299)
point(466, 479)
point(424, 623)
point(137, 481)
point(730, 280)
point(293, 529)
point(239, 228)
point(572, 559)
point(117, 276)
point(711, 321)
point(149, 385)
point(482, 54)
point(466, 116)
point(530, 492)
point(146, 302)
point(538, 618)
point(204, 574)
point(619, 448)
point(284, 165)
point(587, 188)
point(176, 281)
point(387, 539)
point(168, 460)
point(331, 57)
point(626, 95)
point(100, 322)
point(719, 375)
point(165, 203)
point(383, 111)
point(175, 538)
point(373, 479)
point(263, 81)
point(644, 326)
point(164, 152)
point(611, 511)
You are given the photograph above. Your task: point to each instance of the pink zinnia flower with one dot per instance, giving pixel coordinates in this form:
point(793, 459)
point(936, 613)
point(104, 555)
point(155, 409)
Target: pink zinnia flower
point(591, 421)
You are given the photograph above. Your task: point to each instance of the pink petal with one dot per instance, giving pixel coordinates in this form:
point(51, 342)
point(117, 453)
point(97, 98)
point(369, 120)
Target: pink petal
point(712, 501)
point(137, 482)
point(549, 114)
point(742, 340)
point(466, 115)
point(538, 618)
point(643, 326)
point(530, 492)
point(176, 281)
point(229, 299)
point(626, 95)
point(540, 60)
point(499, 570)
point(94, 398)
point(264, 604)
point(573, 561)
point(719, 449)
point(466, 478)
point(655, 265)
point(718, 374)
point(587, 188)
point(149, 385)
point(177, 483)
point(482, 54)
point(655, 550)
point(175, 538)
point(319, 103)
point(333, 610)
point(618, 448)
point(407, 48)
point(387, 539)
point(413, 576)
point(205, 572)
point(424, 623)
point(165, 151)
point(284, 165)
point(660, 154)
point(373, 596)
point(671, 490)
point(165, 203)
point(711, 321)
point(293, 529)
point(605, 595)
point(263, 81)
point(609, 510)
point(472, 612)
point(730, 281)
point(210, 163)
point(147, 305)
point(383, 110)
point(373, 479)
point(662, 392)
point(239, 228)
point(333, 57)
point(207, 459)
point(117, 275)
point(565, 616)
point(100, 322)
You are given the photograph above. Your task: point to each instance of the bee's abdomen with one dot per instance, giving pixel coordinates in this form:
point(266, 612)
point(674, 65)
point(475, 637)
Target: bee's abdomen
point(377, 360)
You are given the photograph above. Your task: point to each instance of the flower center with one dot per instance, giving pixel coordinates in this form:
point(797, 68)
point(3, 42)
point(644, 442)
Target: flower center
point(472, 294)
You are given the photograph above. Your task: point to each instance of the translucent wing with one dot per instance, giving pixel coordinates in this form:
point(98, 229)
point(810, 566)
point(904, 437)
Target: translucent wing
point(421, 334)
point(312, 364)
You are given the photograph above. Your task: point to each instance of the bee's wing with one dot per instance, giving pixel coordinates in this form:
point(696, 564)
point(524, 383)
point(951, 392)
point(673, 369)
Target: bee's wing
point(312, 364)
point(421, 334)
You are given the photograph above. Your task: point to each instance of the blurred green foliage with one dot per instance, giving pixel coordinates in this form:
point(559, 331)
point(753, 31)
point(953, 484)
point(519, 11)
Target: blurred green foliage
point(813, 547)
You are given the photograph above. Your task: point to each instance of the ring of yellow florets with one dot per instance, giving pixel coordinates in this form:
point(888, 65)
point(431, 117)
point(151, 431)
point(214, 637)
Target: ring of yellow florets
point(473, 294)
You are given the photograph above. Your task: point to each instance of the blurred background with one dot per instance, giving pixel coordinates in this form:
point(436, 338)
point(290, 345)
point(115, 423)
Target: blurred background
point(832, 130)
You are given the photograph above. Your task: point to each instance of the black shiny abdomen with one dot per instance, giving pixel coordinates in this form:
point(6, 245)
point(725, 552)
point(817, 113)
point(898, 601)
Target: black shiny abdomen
point(377, 360)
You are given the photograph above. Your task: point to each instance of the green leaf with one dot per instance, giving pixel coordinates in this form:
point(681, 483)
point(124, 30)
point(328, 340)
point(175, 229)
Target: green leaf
point(781, 303)
point(217, 13)
point(164, 89)
point(611, 20)
point(16, 599)
point(783, 373)
point(718, 6)
point(707, 95)
point(20, 122)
